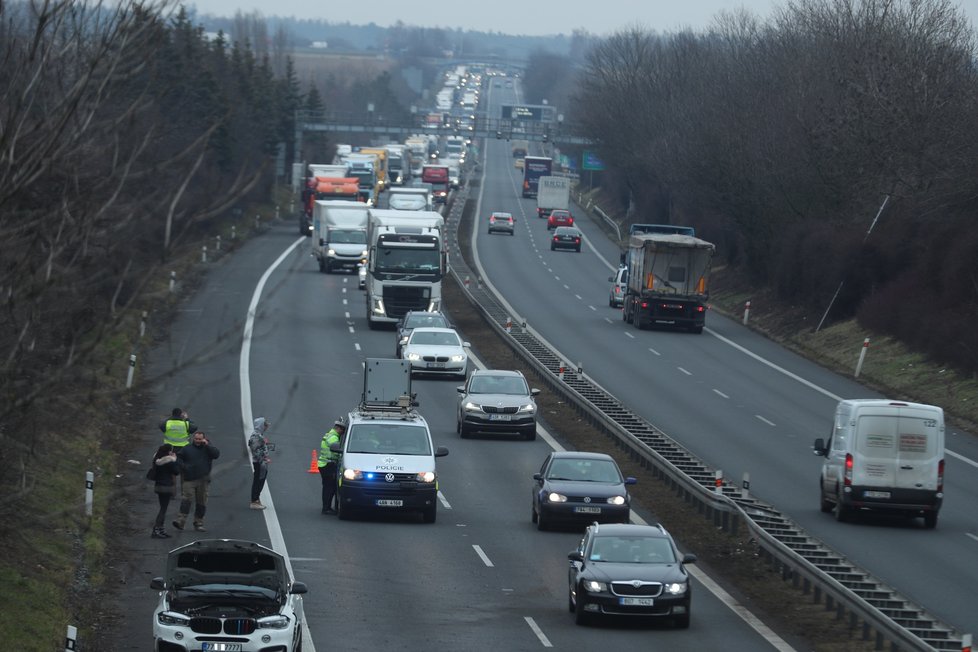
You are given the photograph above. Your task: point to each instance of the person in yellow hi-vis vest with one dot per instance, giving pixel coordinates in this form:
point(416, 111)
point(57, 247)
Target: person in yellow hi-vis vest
point(177, 429)
point(328, 463)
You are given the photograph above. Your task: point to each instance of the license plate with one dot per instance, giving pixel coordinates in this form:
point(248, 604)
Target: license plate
point(636, 602)
point(382, 502)
point(587, 510)
point(500, 417)
point(221, 647)
point(436, 365)
point(876, 494)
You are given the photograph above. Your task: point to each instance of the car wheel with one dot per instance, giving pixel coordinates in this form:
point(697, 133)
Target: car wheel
point(533, 515)
point(611, 302)
point(824, 505)
point(697, 330)
point(552, 247)
point(531, 434)
point(463, 430)
point(342, 513)
point(541, 523)
point(841, 511)
point(570, 600)
point(580, 616)
point(431, 513)
point(681, 622)
point(578, 250)
point(322, 266)
point(930, 520)
point(512, 232)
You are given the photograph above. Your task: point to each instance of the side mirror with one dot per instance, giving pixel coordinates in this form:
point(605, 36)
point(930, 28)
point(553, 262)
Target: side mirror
point(322, 242)
point(689, 558)
point(157, 583)
point(630, 480)
point(298, 588)
point(534, 392)
point(441, 451)
point(575, 556)
point(819, 447)
point(460, 389)
point(466, 344)
point(538, 477)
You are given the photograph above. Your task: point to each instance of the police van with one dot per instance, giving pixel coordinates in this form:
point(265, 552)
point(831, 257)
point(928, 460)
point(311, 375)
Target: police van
point(388, 458)
point(883, 456)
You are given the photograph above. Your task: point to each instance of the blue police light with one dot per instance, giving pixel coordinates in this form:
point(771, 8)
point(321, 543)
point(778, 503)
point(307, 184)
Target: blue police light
point(370, 476)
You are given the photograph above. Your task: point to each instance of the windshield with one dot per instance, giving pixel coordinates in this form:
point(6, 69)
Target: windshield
point(390, 438)
point(392, 260)
point(498, 385)
point(632, 550)
point(363, 176)
point(584, 470)
point(354, 236)
point(435, 338)
point(422, 320)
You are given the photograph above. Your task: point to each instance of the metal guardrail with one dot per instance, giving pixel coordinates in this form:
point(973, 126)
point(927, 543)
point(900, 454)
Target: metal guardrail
point(806, 562)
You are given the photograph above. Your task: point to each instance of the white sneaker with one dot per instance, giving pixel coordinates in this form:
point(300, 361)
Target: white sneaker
point(257, 505)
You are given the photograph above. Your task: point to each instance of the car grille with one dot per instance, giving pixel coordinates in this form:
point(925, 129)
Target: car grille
point(644, 589)
point(493, 409)
point(232, 626)
point(435, 358)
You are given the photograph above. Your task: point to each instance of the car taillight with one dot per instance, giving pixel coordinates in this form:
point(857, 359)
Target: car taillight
point(847, 476)
point(556, 238)
point(577, 240)
point(940, 476)
point(492, 220)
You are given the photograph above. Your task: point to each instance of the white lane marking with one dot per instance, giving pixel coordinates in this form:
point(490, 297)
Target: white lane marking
point(351, 328)
point(346, 314)
point(719, 393)
point(592, 308)
point(653, 351)
point(962, 458)
point(544, 641)
point(444, 501)
point(578, 297)
point(627, 334)
point(688, 373)
point(275, 536)
point(776, 641)
point(566, 287)
point(608, 320)
point(969, 534)
point(356, 345)
point(345, 302)
point(759, 417)
point(558, 278)
point(482, 555)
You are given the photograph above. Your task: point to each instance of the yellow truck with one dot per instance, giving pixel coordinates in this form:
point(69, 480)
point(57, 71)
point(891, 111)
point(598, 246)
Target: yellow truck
point(380, 167)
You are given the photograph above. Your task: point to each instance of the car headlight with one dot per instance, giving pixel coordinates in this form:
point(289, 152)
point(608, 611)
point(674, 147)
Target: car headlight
point(472, 407)
point(363, 254)
point(330, 252)
point(352, 474)
point(555, 497)
point(274, 622)
point(592, 586)
point(173, 619)
point(616, 500)
point(529, 407)
point(458, 357)
point(412, 356)
point(403, 340)
point(675, 588)
point(426, 476)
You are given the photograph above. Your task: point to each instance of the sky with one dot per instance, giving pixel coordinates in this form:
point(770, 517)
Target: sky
point(529, 17)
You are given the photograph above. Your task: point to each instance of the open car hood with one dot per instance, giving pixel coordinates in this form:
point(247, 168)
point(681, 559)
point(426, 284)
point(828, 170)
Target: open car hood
point(226, 561)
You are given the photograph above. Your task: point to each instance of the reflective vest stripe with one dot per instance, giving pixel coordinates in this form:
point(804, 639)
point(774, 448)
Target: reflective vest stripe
point(325, 455)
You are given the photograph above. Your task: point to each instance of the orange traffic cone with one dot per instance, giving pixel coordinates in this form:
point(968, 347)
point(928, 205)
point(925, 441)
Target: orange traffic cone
point(313, 465)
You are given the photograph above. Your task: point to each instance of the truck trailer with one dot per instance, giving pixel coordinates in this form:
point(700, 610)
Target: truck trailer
point(553, 193)
point(535, 167)
point(668, 278)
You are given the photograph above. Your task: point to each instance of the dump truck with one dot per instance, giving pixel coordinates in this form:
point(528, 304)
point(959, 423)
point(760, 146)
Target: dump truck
point(668, 277)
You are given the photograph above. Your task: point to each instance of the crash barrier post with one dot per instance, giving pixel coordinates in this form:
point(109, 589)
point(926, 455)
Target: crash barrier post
point(862, 356)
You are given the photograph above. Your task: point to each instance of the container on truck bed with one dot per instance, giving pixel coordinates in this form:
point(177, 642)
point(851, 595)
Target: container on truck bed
point(553, 193)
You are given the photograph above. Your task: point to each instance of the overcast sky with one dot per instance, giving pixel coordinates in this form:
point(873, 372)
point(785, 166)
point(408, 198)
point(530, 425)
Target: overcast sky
point(511, 16)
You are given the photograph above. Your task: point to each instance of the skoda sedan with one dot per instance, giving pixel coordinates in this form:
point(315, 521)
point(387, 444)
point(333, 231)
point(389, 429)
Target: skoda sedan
point(497, 401)
point(628, 570)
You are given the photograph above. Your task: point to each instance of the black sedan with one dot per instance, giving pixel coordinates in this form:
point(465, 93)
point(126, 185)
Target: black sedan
point(580, 487)
point(566, 237)
point(629, 570)
point(414, 319)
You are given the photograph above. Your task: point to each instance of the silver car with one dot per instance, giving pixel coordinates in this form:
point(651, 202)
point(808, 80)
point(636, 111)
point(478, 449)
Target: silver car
point(436, 351)
point(616, 298)
point(497, 400)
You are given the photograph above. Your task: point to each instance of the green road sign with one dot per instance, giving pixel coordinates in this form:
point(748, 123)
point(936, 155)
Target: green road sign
point(590, 161)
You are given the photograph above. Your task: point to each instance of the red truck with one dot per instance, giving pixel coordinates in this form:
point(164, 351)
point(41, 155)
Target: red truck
point(438, 177)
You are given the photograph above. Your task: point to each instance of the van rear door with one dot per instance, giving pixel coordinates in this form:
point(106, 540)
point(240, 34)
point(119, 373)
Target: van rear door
point(900, 448)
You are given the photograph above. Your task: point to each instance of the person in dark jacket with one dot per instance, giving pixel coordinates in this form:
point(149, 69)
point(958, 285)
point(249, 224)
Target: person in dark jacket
point(258, 445)
point(164, 485)
point(195, 471)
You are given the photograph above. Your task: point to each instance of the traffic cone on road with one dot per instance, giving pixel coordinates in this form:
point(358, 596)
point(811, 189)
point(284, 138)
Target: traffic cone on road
point(313, 465)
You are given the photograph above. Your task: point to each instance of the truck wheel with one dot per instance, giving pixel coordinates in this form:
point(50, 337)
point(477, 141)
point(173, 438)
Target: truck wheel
point(430, 513)
point(930, 520)
point(823, 504)
point(841, 511)
point(322, 266)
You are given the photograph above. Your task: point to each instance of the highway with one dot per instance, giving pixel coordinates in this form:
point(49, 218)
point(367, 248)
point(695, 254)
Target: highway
point(483, 577)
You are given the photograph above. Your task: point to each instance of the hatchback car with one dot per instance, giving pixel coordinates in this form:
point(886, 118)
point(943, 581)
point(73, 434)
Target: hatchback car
point(518, 163)
point(629, 570)
point(497, 400)
point(580, 487)
point(227, 594)
point(619, 281)
point(502, 223)
point(436, 351)
point(414, 319)
point(559, 217)
point(566, 237)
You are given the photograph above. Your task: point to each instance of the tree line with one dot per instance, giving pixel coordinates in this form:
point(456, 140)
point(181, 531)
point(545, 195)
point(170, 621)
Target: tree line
point(834, 144)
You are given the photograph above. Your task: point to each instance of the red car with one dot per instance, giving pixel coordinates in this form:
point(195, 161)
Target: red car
point(559, 218)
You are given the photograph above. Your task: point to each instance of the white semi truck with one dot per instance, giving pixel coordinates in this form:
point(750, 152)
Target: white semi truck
point(405, 263)
point(553, 193)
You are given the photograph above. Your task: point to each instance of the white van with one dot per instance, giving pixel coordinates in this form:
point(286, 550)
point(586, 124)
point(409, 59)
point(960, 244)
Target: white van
point(388, 461)
point(884, 455)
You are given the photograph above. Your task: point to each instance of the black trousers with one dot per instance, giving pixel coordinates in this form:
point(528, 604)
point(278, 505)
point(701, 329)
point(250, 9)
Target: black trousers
point(164, 502)
point(258, 480)
point(328, 475)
